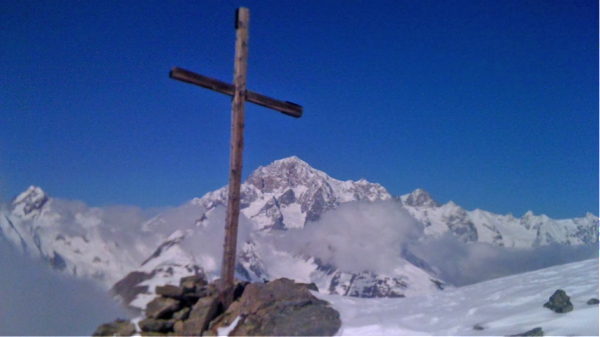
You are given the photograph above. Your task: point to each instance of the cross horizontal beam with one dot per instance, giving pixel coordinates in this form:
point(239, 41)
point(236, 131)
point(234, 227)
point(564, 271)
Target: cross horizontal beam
point(287, 108)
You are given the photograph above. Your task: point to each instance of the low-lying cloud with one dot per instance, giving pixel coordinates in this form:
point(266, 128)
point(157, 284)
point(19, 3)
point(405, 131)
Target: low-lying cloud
point(36, 300)
point(206, 243)
point(356, 236)
point(370, 236)
point(462, 264)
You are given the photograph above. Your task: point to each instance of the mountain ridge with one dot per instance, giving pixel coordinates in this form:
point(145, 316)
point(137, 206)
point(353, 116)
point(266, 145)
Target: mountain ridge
point(285, 195)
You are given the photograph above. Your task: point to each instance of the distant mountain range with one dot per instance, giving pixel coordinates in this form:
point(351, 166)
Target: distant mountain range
point(286, 196)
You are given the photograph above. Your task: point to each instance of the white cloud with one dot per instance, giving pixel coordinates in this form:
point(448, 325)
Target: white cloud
point(463, 264)
point(356, 236)
point(36, 300)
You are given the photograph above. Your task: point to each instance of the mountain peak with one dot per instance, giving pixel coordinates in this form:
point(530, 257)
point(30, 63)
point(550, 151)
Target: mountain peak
point(286, 172)
point(26, 203)
point(419, 198)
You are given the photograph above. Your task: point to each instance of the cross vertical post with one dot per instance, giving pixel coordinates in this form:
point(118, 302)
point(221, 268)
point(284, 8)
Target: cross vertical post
point(242, 20)
point(240, 95)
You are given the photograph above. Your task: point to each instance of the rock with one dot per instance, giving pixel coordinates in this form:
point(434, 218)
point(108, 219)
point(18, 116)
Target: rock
point(182, 314)
point(533, 332)
point(238, 289)
point(189, 283)
point(559, 302)
point(127, 288)
point(178, 328)
point(156, 325)
point(202, 313)
point(170, 291)
point(162, 307)
point(281, 308)
point(119, 327)
point(592, 301)
point(209, 333)
point(477, 327)
point(310, 286)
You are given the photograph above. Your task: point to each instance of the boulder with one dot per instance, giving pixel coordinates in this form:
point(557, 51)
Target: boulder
point(281, 308)
point(189, 283)
point(162, 307)
point(182, 314)
point(559, 302)
point(477, 327)
point(170, 291)
point(310, 286)
point(592, 301)
point(202, 313)
point(533, 332)
point(156, 325)
point(119, 327)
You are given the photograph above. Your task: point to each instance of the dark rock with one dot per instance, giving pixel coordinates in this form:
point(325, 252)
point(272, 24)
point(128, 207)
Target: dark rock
point(533, 332)
point(190, 283)
point(287, 197)
point(182, 314)
point(202, 313)
point(156, 325)
point(559, 302)
point(119, 327)
point(592, 301)
point(178, 328)
point(170, 291)
point(281, 308)
point(162, 307)
point(310, 286)
point(127, 288)
point(238, 289)
point(477, 327)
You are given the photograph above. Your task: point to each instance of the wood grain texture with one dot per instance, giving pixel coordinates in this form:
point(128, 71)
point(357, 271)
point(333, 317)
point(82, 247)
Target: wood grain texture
point(287, 108)
point(237, 148)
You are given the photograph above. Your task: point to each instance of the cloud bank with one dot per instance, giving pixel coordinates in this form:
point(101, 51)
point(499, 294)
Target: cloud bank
point(36, 300)
point(356, 236)
point(359, 236)
point(463, 264)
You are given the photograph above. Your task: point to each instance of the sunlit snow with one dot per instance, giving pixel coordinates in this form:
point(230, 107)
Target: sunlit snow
point(504, 306)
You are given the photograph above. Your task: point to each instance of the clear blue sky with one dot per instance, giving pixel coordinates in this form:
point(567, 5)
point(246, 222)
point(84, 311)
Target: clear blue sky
point(491, 104)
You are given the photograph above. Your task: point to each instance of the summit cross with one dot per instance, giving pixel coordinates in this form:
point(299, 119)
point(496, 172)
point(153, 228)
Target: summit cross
point(240, 96)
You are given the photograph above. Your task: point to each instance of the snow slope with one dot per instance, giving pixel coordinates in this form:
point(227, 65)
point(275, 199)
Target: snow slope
point(502, 307)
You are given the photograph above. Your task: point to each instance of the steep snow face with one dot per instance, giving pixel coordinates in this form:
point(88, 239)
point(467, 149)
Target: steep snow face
point(29, 203)
point(502, 230)
point(289, 193)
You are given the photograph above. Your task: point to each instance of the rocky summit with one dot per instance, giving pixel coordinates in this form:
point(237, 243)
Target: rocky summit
point(277, 308)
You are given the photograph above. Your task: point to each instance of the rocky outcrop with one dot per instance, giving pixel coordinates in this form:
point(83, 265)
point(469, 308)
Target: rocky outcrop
point(280, 308)
point(559, 302)
point(194, 308)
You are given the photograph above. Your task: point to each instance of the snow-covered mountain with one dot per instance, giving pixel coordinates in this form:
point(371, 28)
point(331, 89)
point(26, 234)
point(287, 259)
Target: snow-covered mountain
point(74, 238)
point(503, 230)
point(287, 196)
point(289, 193)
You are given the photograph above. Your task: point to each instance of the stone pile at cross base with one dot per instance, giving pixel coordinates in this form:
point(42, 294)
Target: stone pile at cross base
point(277, 308)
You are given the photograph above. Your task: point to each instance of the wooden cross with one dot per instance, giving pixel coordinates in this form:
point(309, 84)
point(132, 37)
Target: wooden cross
point(240, 95)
